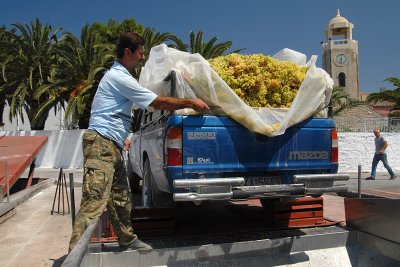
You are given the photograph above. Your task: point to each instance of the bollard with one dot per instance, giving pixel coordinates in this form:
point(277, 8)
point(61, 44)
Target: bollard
point(359, 181)
point(72, 192)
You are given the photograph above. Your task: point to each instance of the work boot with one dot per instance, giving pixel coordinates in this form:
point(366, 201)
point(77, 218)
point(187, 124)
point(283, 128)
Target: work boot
point(392, 177)
point(370, 178)
point(136, 245)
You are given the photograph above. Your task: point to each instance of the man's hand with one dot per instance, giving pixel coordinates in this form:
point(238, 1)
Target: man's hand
point(199, 105)
point(172, 103)
point(127, 144)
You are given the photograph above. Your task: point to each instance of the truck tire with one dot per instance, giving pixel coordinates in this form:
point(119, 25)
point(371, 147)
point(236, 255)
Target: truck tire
point(134, 179)
point(147, 192)
point(151, 196)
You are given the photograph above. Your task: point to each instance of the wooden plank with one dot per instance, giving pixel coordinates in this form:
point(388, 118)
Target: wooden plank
point(299, 207)
point(299, 215)
point(307, 222)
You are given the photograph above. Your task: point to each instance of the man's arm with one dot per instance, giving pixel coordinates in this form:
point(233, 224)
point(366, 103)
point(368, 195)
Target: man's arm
point(172, 103)
point(383, 148)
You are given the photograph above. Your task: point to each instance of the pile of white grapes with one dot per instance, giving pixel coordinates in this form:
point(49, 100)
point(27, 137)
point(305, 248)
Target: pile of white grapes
point(259, 80)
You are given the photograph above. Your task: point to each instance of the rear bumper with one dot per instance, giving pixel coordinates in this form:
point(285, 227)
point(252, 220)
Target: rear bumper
point(207, 189)
point(318, 184)
point(233, 188)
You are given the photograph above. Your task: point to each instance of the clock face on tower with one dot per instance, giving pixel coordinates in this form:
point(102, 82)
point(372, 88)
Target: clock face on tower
point(341, 59)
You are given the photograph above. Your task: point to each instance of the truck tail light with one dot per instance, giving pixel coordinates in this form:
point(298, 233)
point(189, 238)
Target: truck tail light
point(174, 147)
point(335, 150)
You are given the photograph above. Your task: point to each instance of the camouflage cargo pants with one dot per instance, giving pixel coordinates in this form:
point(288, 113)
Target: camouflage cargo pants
point(104, 185)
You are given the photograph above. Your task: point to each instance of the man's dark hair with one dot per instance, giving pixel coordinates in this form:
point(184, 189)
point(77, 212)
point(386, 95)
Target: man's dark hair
point(129, 40)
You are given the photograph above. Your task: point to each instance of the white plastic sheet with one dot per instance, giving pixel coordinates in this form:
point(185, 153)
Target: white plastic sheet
point(195, 78)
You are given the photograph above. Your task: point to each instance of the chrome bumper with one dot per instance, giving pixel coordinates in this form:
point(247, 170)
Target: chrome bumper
point(320, 177)
point(184, 183)
point(317, 184)
point(232, 188)
point(207, 189)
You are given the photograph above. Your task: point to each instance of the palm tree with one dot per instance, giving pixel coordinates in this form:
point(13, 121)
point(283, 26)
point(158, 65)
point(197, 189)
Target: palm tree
point(3, 91)
point(388, 95)
point(206, 49)
point(29, 55)
point(395, 81)
point(341, 100)
point(80, 66)
point(110, 31)
point(75, 77)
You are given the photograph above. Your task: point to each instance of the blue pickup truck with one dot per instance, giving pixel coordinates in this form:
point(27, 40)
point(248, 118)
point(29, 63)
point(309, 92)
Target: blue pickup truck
point(206, 158)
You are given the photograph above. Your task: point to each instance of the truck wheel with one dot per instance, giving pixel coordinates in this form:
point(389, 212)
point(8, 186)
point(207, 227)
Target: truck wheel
point(151, 196)
point(147, 192)
point(134, 179)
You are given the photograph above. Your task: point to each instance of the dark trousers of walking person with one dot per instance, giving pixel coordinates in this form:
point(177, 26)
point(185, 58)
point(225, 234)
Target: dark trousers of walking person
point(375, 161)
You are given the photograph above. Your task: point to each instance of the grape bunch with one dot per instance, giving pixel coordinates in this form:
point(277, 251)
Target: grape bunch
point(259, 80)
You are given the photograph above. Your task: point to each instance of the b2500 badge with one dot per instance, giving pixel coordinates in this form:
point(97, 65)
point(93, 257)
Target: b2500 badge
point(201, 135)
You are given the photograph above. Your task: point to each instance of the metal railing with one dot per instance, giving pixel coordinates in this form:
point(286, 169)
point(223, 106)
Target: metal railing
point(75, 257)
point(358, 124)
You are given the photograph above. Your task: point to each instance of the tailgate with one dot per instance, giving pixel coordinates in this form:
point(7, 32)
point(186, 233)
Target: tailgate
point(220, 145)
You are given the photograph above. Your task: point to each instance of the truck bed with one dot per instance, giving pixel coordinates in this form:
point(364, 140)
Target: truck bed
point(197, 158)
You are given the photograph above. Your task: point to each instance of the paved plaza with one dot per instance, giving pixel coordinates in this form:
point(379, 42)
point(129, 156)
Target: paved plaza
point(34, 237)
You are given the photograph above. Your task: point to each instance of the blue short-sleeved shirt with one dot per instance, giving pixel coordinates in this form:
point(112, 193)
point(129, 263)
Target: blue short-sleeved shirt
point(379, 142)
point(112, 105)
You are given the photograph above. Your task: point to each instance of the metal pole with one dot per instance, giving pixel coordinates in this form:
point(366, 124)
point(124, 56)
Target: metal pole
point(59, 191)
point(359, 181)
point(55, 193)
point(72, 192)
point(66, 193)
point(62, 192)
point(7, 183)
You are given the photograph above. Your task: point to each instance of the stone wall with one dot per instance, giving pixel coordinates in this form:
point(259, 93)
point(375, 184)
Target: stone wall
point(361, 118)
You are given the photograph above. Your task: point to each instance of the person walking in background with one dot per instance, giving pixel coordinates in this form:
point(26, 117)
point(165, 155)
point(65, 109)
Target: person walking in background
point(380, 155)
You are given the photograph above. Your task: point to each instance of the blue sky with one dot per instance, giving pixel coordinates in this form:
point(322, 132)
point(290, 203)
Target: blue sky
point(260, 26)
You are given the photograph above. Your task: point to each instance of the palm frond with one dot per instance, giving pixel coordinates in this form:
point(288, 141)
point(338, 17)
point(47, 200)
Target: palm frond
point(178, 44)
point(392, 96)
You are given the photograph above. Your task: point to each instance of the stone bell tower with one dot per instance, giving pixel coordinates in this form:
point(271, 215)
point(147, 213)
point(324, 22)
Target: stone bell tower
point(340, 55)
